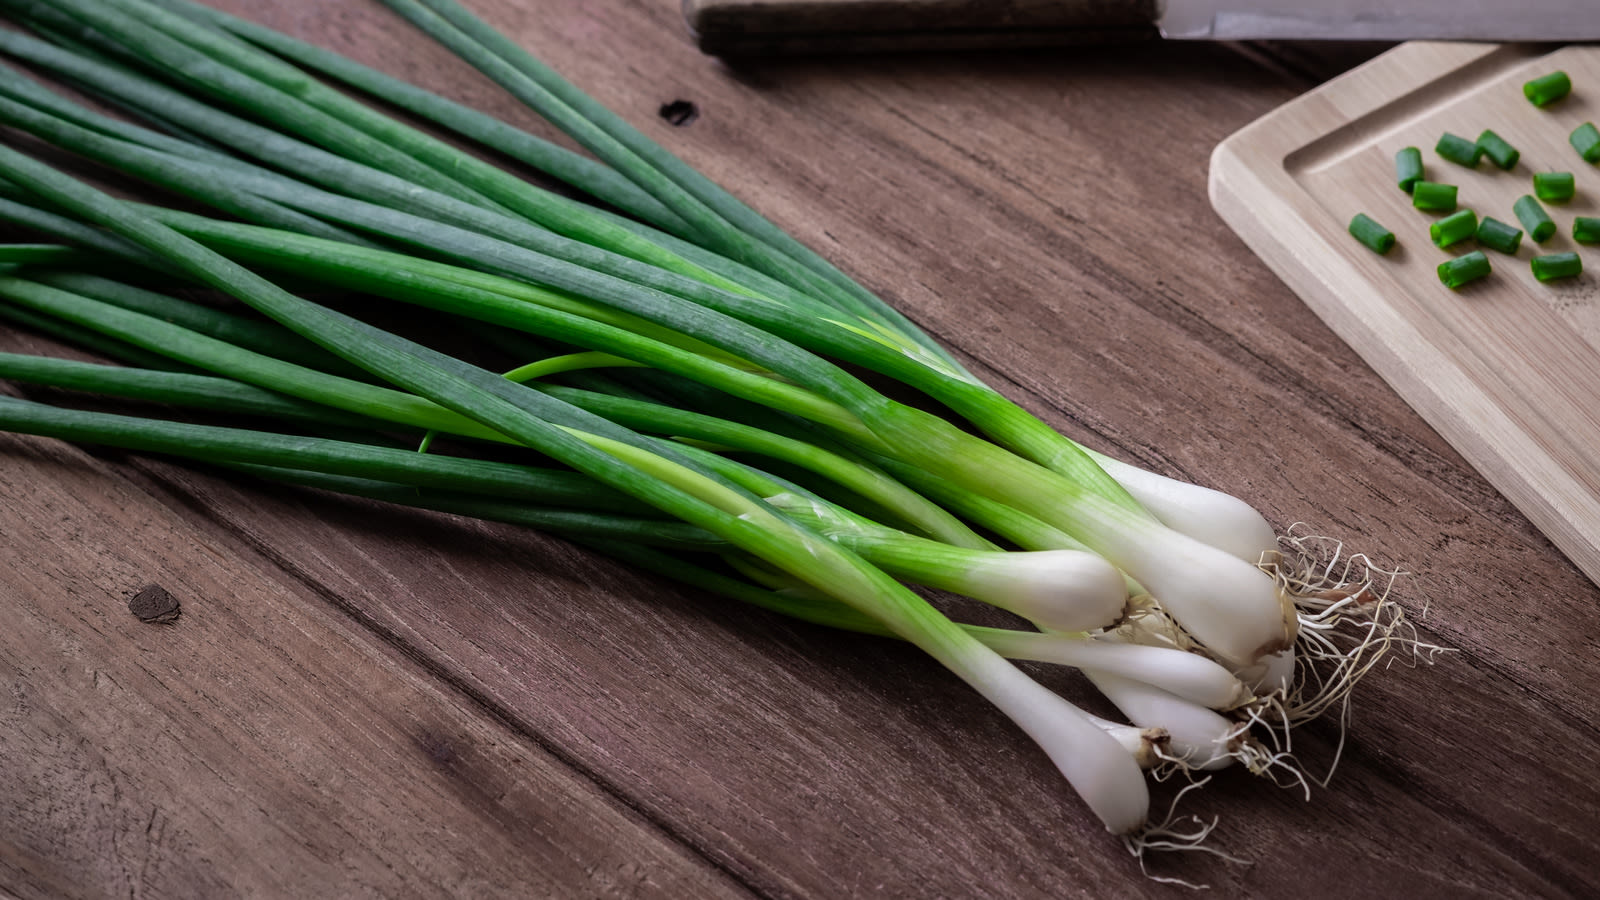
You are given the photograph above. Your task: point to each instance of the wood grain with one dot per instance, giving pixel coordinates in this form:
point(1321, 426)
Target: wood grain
point(1044, 214)
point(259, 745)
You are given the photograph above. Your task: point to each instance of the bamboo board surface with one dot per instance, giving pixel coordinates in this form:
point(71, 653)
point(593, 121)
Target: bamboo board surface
point(363, 701)
point(1508, 368)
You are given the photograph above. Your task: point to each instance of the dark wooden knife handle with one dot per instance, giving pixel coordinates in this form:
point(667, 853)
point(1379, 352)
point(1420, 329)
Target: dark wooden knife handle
point(732, 27)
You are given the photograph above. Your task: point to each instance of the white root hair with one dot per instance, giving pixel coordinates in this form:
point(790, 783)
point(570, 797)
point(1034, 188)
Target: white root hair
point(1348, 622)
point(1179, 834)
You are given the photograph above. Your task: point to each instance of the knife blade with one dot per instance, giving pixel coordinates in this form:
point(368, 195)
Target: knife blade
point(732, 27)
point(1381, 20)
point(743, 27)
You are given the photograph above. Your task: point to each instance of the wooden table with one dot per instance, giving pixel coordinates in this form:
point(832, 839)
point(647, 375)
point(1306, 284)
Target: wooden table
point(360, 701)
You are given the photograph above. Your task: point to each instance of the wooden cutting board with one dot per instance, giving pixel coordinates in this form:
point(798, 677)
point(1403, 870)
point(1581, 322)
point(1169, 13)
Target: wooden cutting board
point(1507, 369)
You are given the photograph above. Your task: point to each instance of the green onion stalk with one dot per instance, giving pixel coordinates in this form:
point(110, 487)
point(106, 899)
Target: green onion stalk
point(547, 499)
point(523, 496)
point(687, 192)
point(1213, 517)
point(1098, 767)
point(943, 380)
point(1101, 517)
point(699, 331)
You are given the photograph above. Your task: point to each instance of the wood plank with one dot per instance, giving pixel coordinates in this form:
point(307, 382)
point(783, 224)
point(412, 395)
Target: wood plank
point(1047, 217)
point(259, 745)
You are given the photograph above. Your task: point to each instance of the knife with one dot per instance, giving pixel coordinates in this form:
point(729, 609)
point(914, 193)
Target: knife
point(732, 27)
point(1566, 21)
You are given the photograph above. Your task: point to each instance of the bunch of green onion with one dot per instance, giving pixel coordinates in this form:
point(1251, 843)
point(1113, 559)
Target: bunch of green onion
point(688, 400)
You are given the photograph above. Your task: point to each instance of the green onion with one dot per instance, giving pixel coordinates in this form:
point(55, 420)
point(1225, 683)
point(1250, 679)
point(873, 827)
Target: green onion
point(1458, 150)
point(1458, 226)
point(1586, 229)
point(1053, 454)
point(1556, 265)
point(1586, 140)
point(1547, 89)
point(1453, 273)
point(1499, 152)
point(1098, 767)
point(1408, 167)
point(1497, 235)
point(1433, 196)
point(715, 335)
point(1106, 778)
point(1534, 218)
point(1554, 187)
point(1376, 237)
point(998, 417)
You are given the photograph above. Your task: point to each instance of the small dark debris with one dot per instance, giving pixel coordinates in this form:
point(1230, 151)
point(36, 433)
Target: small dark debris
point(154, 605)
point(680, 112)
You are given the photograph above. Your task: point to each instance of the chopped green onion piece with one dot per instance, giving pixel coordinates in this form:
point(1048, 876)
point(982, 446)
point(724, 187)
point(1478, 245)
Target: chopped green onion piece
point(1499, 152)
point(1554, 186)
point(1375, 236)
point(1458, 150)
point(1408, 168)
point(1586, 229)
point(1534, 218)
point(1497, 235)
point(1547, 89)
point(1457, 226)
point(1556, 265)
point(1456, 272)
point(1586, 140)
point(1433, 196)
